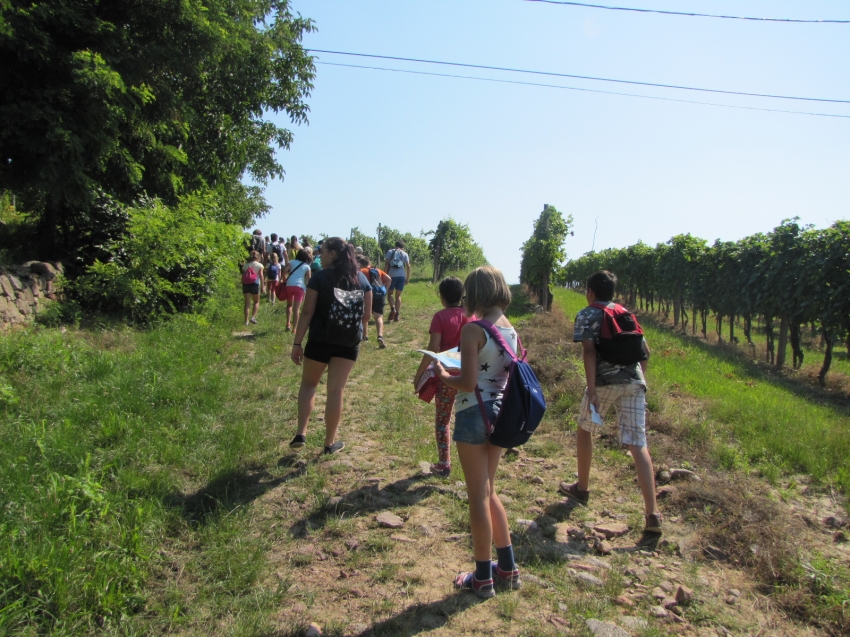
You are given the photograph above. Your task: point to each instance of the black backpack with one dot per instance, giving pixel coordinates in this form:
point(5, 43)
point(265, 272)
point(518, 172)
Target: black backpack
point(344, 322)
point(277, 248)
point(621, 338)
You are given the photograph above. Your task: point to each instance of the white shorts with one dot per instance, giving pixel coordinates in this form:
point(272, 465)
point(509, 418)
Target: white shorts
point(630, 399)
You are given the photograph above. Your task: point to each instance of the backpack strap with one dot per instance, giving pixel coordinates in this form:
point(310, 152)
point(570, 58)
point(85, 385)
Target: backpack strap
point(494, 333)
point(294, 271)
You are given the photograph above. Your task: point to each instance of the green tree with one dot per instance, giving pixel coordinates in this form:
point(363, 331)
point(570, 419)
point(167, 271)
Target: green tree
point(130, 99)
point(416, 247)
point(453, 248)
point(171, 260)
point(543, 254)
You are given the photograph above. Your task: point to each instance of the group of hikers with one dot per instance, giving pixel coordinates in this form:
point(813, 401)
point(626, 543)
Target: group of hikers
point(282, 269)
point(472, 322)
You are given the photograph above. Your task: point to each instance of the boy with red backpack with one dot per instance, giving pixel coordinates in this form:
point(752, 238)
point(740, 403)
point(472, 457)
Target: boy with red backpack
point(615, 360)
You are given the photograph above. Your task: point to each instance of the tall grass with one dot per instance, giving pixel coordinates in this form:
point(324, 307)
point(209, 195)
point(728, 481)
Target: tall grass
point(768, 422)
point(104, 430)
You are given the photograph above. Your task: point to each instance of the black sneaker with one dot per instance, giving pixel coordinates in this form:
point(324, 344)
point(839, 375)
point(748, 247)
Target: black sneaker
point(336, 447)
point(298, 441)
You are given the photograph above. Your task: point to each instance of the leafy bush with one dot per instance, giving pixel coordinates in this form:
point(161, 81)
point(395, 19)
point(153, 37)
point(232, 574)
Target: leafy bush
point(453, 248)
point(416, 247)
point(169, 261)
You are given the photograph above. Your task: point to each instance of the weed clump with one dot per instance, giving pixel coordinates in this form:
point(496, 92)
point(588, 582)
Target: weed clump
point(745, 528)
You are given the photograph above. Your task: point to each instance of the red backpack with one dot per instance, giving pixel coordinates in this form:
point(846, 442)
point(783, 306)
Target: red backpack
point(249, 276)
point(621, 340)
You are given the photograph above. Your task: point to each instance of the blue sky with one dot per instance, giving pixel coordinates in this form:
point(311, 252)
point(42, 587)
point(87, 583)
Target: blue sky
point(408, 150)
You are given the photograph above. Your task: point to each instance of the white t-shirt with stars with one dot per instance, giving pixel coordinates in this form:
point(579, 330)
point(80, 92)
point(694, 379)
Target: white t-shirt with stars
point(493, 365)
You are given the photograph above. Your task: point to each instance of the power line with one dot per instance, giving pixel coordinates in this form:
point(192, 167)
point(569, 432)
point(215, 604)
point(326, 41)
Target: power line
point(585, 90)
point(581, 77)
point(690, 15)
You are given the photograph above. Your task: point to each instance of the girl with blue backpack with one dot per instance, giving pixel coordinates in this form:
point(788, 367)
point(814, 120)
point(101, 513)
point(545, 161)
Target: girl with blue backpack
point(485, 364)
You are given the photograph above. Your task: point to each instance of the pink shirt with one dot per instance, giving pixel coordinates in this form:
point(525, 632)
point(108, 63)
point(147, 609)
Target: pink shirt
point(447, 324)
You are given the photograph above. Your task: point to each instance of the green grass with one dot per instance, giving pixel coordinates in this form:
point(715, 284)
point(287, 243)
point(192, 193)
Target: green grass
point(763, 422)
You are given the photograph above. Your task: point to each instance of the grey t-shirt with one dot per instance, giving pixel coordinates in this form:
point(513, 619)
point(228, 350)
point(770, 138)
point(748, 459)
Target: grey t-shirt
point(589, 326)
point(402, 256)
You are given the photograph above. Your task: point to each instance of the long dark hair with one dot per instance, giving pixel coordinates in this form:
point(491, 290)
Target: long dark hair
point(345, 265)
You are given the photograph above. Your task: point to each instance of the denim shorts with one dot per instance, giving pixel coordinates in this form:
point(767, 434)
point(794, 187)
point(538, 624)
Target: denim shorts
point(470, 427)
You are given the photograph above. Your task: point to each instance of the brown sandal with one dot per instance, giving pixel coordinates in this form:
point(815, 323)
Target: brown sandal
point(653, 523)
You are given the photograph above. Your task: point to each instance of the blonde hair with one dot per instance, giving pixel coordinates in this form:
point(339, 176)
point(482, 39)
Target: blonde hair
point(275, 258)
point(485, 287)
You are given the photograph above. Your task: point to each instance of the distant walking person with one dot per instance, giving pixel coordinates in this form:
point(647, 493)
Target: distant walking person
point(616, 375)
point(296, 275)
point(258, 244)
point(252, 283)
point(379, 280)
point(272, 277)
point(397, 265)
point(294, 247)
point(336, 313)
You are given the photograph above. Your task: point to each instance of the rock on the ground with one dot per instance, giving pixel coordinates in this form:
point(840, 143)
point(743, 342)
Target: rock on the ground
point(668, 603)
point(658, 611)
point(537, 480)
point(684, 595)
point(683, 474)
point(603, 547)
point(313, 630)
point(664, 493)
point(587, 578)
point(714, 553)
point(389, 520)
point(530, 526)
point(600, 563)
point(533, 579)
point(666, 586)
point(622, 600)
point(425, 468)
point(612, 529)
point(605, 629)
point(634, 623)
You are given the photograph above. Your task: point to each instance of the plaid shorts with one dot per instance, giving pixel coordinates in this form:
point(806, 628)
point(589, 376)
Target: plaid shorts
point(630, 399)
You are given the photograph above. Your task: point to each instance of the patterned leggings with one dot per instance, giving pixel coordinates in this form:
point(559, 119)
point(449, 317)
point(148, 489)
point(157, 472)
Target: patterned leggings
point(444, 400)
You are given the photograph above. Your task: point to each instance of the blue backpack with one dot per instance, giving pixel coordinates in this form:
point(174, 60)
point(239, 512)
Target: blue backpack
point(523, 404)
point(378, 289)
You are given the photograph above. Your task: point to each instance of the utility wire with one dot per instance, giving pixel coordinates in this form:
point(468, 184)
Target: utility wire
point(690, 15)
point(580, 77)
point(585, 90)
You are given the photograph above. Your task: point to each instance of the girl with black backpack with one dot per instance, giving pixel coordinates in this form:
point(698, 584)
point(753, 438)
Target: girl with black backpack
point(335, 312)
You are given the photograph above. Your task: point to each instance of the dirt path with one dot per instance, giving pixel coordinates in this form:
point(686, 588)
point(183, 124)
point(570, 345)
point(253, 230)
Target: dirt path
point(351, 576)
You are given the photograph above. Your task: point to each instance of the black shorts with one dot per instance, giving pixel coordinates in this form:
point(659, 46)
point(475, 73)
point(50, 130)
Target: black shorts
point(250, 288)
point(378, 304)
point(324, 352)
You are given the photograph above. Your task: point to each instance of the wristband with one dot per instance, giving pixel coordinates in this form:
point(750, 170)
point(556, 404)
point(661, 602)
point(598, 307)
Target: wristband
point(296, 345)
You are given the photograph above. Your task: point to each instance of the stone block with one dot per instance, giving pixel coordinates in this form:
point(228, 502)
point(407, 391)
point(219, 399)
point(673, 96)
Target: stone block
point(6, 286)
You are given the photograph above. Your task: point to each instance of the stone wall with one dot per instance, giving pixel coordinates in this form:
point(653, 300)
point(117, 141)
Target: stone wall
point(24, 290)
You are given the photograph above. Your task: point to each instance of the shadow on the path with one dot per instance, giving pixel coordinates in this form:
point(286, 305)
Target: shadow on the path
point(226, 492)
point(421, 618)
point(371, 498)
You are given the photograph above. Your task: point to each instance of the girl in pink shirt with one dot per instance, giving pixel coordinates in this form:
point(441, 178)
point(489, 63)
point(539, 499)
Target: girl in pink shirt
point(445, 335)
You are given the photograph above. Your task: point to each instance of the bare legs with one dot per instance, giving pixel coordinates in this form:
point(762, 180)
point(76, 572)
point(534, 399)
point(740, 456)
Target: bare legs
point(643, 464)
point(379, 323)
point(487, 516)
point(338, 371)
point(256, 302)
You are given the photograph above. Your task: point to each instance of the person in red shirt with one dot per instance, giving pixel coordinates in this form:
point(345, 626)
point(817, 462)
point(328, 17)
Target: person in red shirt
point(377, 279)
point(445, 335)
